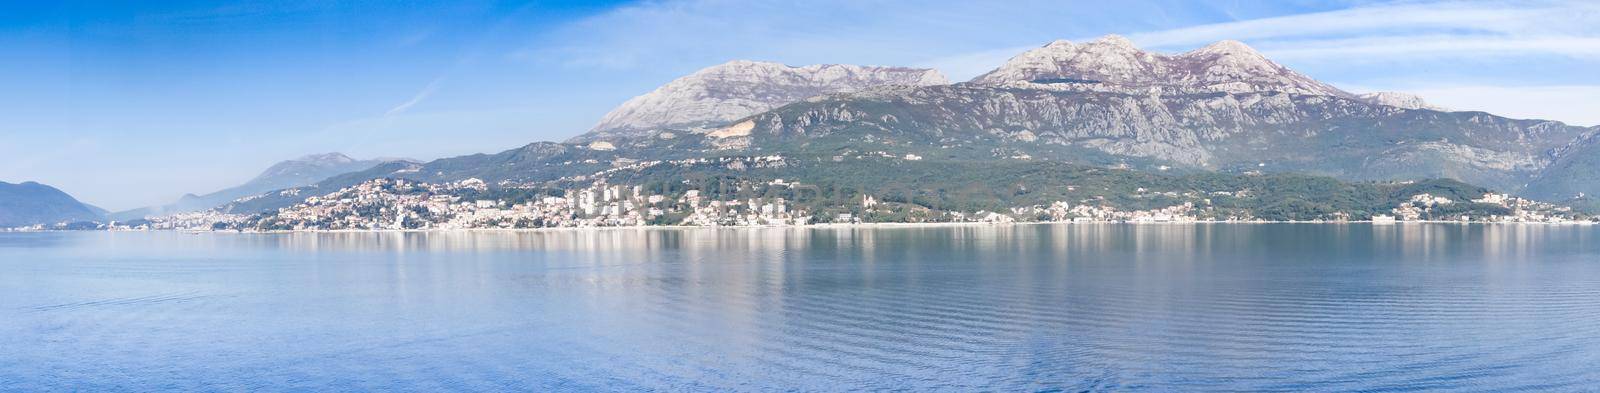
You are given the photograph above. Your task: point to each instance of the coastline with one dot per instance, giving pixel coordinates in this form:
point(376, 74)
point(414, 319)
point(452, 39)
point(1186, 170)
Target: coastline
point(874, 225)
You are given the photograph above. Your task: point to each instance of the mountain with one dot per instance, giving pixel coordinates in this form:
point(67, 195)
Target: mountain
point(31, 203)
point(1398, 100)
point(540, 161)
point(1574, 175)
point(729, 91)
point(1113, 63)
point(286, 174)
point(302, 171)
point(1219, 108)
point(1105, 103)
point(1272, 131)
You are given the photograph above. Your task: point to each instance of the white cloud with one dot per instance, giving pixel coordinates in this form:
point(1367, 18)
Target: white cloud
point(1434, 29)
point(1392, 48)
point(426, 92)
point(1401, 19)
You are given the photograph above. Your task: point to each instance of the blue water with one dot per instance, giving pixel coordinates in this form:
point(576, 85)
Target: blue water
point(1070, 307)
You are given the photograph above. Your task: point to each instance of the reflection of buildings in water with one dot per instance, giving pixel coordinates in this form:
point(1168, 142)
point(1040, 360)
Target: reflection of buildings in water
point(727, 278)
point(772, 256)
point(1488, 243)
point(866, 244)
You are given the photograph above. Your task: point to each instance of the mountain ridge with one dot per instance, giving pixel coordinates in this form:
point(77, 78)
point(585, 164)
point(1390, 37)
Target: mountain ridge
point(739, 88)
point(1113, 62)
point(33, 203)
point(1399, 100)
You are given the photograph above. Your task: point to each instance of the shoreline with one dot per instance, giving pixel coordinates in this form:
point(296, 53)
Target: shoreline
point(836, 226)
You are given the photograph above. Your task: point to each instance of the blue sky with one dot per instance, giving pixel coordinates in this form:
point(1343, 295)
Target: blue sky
point(125, 104)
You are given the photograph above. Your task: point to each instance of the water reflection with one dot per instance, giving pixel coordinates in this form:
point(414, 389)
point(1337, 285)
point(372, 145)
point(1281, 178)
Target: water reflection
point(1413, 241)
point(1101, 306)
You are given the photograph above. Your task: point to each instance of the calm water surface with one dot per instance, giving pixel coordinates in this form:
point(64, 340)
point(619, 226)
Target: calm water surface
point(1071, 307)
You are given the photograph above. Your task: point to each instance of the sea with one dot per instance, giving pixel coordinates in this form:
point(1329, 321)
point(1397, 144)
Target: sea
point(1068, 307)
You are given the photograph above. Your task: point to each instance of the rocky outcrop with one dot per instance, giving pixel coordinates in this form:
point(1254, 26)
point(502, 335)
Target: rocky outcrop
point(1398, 100)
point(1267, 131)
point(723, 93)
point(1114, 64)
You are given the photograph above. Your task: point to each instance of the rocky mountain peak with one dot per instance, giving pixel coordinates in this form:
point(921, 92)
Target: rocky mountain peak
point(1398, 100)
point(729, 91)
point(1059, 45)
point(1112, 59)
point(1115, 41)
point(326, 158)
point(1114, 63)
point(1228, 48)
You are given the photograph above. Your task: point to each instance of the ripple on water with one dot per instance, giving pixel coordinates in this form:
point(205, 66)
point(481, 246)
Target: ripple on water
point(1064, 308)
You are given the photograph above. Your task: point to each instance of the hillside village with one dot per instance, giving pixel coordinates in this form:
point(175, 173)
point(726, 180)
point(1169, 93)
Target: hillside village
point(400, 204)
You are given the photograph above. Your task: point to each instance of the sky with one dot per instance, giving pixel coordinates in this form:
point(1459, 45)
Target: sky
point(134, 103)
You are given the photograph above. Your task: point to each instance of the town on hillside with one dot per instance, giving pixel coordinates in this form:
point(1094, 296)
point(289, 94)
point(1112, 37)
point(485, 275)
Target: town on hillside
point(599, 200)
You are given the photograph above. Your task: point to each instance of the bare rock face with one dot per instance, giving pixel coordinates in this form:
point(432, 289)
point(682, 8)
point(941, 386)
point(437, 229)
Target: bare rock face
point(1221, 107)
point(1398, 100)
point(730, 91)
point(1281, 132)
point(1114, 64)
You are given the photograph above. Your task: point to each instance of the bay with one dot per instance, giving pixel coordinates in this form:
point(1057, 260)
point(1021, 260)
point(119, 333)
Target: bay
point(1257, 307)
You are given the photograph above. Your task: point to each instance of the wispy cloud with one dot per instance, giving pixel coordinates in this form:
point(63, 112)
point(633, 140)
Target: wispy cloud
point(1569, 28)
point(1436, 46)
point(421, 95)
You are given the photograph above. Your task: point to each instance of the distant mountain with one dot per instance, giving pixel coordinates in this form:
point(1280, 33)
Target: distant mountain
point(302, 171)
point(729, 91)
point(31, 203)
point(541, 161)
point(1398, 100)
point(287, 174)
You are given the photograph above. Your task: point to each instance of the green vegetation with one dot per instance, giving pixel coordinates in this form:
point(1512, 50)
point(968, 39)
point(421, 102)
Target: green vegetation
point(920, 189)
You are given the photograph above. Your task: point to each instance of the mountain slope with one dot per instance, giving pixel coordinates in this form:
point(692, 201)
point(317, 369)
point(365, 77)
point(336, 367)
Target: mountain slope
point(304, 170)
point(541, 161)
point(1398, 100)
point(31, 203)
point(1574, 175)
point(1277, 132)
point(716, 95)
point(1155, 110)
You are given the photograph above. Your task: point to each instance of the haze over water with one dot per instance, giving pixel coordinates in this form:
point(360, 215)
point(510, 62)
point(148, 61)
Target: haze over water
point(1113, 307)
